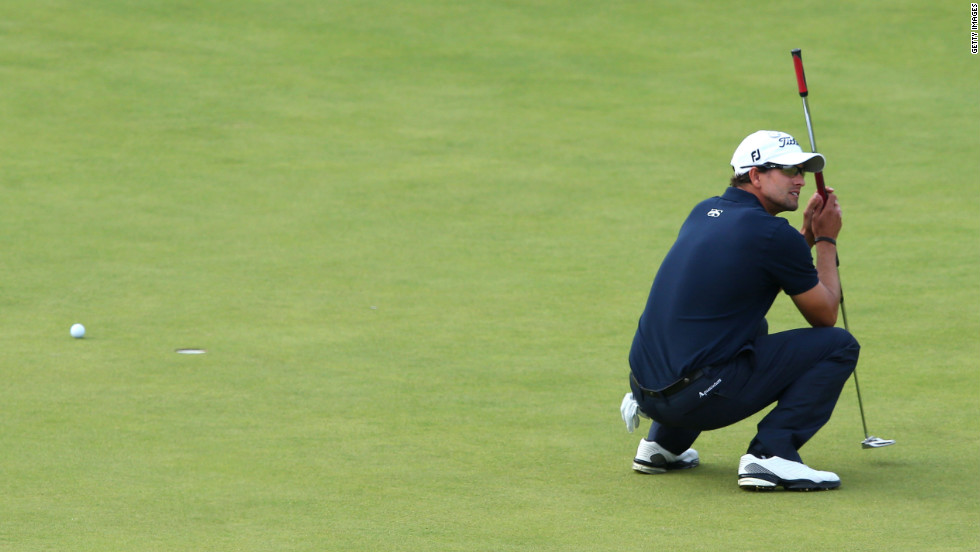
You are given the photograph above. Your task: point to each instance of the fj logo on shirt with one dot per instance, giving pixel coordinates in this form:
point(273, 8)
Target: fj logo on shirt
point(704, 393)
point(715, 213)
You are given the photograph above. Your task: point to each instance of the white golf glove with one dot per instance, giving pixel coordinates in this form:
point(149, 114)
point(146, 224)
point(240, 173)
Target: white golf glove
point(631, 413)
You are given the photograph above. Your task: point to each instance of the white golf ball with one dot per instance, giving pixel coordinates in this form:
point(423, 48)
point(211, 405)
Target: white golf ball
point(77, 331)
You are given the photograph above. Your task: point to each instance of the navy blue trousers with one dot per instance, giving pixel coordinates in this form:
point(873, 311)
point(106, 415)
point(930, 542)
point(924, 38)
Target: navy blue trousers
point(802, 371)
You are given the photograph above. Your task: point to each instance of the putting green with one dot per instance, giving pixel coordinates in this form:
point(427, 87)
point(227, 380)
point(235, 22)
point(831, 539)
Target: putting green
point(414, 239)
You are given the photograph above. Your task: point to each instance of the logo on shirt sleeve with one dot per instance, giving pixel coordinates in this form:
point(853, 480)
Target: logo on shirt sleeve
point(715, 213)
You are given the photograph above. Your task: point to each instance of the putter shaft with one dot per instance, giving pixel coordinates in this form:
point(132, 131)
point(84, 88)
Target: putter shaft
point(869, 442)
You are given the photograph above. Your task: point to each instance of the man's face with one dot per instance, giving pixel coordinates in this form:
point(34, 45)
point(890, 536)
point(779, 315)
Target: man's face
point(778, 191)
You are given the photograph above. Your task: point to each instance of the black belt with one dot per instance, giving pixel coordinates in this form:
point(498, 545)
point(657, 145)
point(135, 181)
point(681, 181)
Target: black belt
point(671, 389)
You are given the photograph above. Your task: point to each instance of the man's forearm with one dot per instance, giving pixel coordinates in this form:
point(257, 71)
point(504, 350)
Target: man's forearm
point(827, 269)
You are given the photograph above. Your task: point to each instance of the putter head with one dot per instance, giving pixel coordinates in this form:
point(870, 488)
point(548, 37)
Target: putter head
point(876, 442)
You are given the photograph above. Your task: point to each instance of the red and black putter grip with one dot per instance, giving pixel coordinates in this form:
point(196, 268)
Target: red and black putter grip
point(800, 77)
point(821, 188)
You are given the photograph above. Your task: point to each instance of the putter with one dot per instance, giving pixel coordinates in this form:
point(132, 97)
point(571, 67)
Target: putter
point(870, 441)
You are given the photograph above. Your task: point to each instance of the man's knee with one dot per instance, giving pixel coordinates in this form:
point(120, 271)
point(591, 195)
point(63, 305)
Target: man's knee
point(848, 344)
point(846, 349)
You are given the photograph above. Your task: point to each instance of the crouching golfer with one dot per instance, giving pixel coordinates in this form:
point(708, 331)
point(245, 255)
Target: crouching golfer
point(702, 357)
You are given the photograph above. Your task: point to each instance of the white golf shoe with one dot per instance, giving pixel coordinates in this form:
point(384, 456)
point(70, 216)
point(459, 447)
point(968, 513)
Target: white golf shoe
point(767, 473)
point(653, 458)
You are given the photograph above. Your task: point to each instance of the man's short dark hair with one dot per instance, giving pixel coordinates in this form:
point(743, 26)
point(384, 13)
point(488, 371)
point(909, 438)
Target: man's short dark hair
point(738, 180)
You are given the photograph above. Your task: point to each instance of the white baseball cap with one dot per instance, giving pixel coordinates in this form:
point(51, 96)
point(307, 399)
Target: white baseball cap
point(772, 146)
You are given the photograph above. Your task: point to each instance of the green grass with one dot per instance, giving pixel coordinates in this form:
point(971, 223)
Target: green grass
point(415, 237)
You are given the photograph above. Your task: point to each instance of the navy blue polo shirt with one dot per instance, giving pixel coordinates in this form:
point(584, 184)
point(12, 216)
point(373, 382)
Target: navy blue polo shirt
point(716, 285)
